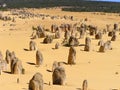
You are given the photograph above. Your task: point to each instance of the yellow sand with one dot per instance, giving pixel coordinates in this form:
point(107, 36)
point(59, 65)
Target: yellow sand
point(97, 68)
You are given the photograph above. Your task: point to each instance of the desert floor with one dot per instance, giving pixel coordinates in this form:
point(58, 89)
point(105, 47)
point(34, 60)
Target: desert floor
point(99, 69)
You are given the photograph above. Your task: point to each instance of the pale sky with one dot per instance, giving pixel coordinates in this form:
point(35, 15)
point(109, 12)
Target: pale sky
point(111, 0)
point(107, 0)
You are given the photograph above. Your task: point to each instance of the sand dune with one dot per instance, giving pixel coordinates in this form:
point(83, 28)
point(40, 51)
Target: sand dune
point(97, 68)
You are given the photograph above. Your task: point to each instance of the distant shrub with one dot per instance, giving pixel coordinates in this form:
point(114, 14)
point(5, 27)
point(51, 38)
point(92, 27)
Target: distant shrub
point(74, 5)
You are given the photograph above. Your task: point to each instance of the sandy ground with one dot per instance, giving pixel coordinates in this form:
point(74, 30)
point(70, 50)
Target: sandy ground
point(97, 68)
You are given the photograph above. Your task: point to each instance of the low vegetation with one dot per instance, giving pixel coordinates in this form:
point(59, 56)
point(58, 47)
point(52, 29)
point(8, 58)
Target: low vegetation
point(72, 5)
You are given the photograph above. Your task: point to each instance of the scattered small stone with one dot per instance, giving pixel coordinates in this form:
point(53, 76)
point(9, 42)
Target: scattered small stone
point(0, 72)
point(49, 83)
point(114, 89)
point(18, 80)
point(85, 85)
point(23, 71)
point(89, 62)
point(116, 73)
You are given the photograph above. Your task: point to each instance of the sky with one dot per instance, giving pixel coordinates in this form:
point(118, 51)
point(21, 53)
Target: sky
point(107, 0)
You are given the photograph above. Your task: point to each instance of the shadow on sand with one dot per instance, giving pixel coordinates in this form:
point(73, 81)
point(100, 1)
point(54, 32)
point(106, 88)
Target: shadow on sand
point(7, 72)
point(25, 49)
point(30, 63)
